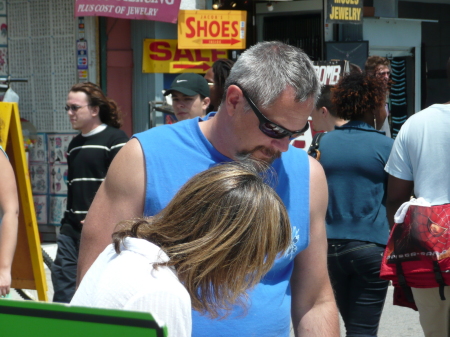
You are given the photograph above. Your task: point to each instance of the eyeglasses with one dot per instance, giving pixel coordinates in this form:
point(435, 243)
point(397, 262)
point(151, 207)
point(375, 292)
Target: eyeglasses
point(383, 73)
point(74, 108)
point(269, 128)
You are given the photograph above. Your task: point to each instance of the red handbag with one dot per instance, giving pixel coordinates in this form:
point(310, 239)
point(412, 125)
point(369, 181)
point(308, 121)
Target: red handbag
point(418, 250)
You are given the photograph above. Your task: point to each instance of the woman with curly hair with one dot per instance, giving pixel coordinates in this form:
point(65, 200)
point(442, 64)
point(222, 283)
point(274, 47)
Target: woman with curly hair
point(353, 157)
point(216, 239)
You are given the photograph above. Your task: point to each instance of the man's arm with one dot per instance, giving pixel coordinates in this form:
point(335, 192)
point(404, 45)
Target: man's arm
point(314, 311)
point(120, 197)
point(398, 192)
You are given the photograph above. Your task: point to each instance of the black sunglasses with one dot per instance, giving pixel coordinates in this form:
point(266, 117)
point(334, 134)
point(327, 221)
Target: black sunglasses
point(73, 107)
point(271, 129)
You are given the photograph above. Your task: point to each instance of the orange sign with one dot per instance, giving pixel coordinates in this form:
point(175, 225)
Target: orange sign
point(163, 56)
point(211, 29)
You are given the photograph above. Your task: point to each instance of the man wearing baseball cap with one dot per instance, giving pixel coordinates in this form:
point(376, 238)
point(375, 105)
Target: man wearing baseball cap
point(190, 96)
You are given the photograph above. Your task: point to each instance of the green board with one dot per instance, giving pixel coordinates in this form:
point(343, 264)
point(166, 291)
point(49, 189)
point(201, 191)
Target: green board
point(36, 319)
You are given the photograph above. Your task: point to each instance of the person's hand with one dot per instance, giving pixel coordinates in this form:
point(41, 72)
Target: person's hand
point(5, 282)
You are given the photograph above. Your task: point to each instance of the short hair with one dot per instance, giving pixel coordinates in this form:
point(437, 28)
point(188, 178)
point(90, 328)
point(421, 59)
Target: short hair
point(110, 112)
point(355, 94)
point(222, 232)
point(373, 62)
point(325, 100)
point(266, 69)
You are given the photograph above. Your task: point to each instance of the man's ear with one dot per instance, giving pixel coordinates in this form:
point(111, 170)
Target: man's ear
point(324, 112)
point(95, 110)
point(205, 103)
point(233, 98)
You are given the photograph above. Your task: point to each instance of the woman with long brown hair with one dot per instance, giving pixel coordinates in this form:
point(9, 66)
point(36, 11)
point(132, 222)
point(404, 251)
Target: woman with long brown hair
point(217, 237)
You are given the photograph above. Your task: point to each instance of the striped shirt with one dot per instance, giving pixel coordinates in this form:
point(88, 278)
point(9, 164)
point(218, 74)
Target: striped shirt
point(88, 159)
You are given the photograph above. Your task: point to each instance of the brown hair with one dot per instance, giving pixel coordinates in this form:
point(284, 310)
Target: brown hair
point(356, 94)
point(222, 232)
point(373, 62)
point(110, 113)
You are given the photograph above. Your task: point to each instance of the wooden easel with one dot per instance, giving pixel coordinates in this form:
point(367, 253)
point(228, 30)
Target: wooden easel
point(28, 266)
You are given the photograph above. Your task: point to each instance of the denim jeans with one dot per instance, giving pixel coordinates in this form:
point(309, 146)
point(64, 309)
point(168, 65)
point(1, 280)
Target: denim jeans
point(64, 268)
point(354, 268)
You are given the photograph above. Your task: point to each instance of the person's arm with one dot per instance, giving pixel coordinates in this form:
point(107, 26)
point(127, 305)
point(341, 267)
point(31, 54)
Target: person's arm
point(314, 311)
point(120, 197)
point(9, 206)
point(117, 144)
point(398, 192)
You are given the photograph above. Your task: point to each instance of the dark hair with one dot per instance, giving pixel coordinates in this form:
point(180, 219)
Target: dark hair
point(356, 94)
point(325, 100)
point(373, 62)
point(222, 232)
point(110, 113)
point(355, 68)
point(221, 69)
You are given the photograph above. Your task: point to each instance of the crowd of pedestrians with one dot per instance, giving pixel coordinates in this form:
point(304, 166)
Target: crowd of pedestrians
point(218, 212)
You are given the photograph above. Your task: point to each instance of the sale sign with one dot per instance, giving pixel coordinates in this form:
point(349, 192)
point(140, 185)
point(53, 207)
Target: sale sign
point(155, 10)
point(211, 29)
point(163, 56)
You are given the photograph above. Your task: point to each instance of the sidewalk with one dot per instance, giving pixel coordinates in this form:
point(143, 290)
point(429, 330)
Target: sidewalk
point(50, 248)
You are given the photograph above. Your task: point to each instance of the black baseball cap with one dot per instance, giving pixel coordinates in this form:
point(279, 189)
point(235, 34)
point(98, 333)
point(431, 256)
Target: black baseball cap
point(189, 84)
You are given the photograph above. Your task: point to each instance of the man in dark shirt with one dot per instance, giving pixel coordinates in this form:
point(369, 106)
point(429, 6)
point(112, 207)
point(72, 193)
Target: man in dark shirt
point(89, 156)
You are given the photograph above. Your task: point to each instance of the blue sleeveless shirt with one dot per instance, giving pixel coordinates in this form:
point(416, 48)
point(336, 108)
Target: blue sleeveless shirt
point(175, 153)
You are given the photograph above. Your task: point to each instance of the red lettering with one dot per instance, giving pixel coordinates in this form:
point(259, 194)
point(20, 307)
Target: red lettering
point(190, 27)
point(184, 53)
point(199, 57)
point(159, 47)
point(217, 29)
point(200, 28)
point(225, 28)
point(235, 27)
point(218, 54)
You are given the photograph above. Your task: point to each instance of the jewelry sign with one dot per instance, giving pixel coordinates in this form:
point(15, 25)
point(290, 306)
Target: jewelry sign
point(154, 10)
point(344, 11)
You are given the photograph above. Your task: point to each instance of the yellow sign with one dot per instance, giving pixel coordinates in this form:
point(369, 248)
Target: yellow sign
point(344, 11)
point(28, 265)
point(211, 29)
point(163, 56)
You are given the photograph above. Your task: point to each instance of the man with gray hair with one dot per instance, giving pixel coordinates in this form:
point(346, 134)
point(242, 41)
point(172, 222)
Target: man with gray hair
point(269, 95)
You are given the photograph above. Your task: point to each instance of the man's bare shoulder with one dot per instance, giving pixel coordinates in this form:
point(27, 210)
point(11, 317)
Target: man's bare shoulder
point(127, 171)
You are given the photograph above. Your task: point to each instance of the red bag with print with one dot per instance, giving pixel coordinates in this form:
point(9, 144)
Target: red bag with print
point(418, 250)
